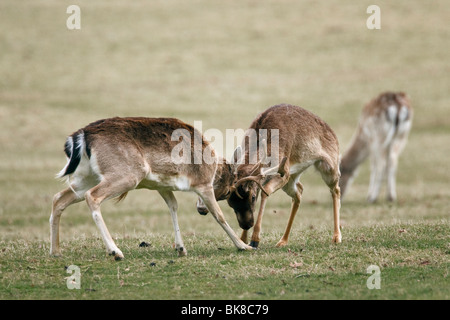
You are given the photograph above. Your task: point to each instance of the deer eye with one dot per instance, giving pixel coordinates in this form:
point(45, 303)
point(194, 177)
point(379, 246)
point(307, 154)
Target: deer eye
point(253, 198)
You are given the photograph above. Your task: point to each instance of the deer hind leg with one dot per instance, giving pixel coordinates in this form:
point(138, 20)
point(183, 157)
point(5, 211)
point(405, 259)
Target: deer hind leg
point(208, 197)
point(378, 168)
point(61, 201)
point(171, 202)
point(330, 174)
point(395, 149)
point(391, 175)
point(294, 189)
point(94, 197)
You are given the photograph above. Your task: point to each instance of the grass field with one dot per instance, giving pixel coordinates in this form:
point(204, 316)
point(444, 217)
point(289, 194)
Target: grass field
point(223, 62)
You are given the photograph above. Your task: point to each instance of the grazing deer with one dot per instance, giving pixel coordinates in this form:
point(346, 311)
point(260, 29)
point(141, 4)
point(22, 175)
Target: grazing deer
point(303, 140)
point(110, 157)
point(382, 133)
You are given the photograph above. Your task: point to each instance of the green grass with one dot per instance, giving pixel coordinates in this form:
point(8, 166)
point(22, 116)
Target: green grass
point(414, 264)
point(222, 63)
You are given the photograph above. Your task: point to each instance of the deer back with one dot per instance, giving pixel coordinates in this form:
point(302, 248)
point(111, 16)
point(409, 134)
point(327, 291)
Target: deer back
point(142, 148)
point(303, 136)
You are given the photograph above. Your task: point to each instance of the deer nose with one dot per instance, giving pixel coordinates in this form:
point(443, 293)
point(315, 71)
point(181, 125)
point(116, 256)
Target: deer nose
point(245, 225)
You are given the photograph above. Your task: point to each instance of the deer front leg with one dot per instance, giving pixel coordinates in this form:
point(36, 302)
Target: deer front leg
point(208, 197)
point(336, 194)
point(257, 228)
point(271, 185)
point(244, 236)
point(171, 202)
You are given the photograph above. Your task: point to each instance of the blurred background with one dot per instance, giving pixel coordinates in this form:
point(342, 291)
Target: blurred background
point(222, 62)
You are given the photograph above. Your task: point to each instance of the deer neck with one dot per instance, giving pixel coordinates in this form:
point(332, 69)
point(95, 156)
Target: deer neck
point(223, 180)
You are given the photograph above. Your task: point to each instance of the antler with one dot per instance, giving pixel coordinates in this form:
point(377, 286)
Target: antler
point(234, 189)
point(279, 169)
point(250, 178)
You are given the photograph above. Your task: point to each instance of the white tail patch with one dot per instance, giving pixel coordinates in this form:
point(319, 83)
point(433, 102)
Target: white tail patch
point(404, 123)
point(403, 114)
point(86, 174)
point(80, 144)
point(75, 151)
point(391, 113)
point(61, 174)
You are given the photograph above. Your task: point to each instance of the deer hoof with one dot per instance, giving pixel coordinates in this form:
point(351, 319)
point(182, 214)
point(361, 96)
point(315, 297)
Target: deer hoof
point(246, 248)
point(55, 254)
point(254, 244)
point(118, 255)
point(181, 252)
point(281, 244)
point(337, 238)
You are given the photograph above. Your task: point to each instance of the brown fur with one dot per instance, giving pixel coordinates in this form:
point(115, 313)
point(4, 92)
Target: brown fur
point(132, 137)
point(110, 157)
point(304, 140)
point(297, 128)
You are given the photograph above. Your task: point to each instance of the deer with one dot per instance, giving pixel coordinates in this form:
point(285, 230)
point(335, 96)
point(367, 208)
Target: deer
point(110, 157)
point(303, 140)
point(381, 135)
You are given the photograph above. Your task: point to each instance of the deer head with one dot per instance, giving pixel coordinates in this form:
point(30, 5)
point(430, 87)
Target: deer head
point(249, 179)
point(239, 183)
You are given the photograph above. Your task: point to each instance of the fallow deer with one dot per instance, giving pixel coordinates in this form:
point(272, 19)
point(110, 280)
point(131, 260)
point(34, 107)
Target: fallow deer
point(110, 157)
point(382, 134)
point(303, 140)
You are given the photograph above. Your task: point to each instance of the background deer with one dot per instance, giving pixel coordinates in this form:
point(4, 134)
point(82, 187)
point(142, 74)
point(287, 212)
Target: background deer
point(110, 157)
point(382, 134)
point(304, 140)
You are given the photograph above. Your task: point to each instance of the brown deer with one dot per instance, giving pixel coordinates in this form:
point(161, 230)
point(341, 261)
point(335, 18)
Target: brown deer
point(110, 157)
point(303, 140)
point(382, 134)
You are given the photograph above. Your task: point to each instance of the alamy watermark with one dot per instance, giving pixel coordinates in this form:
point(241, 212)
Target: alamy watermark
point(74, 281)
point(190, 149)
point(73, 22)
point(374, 20)
point(374, 281)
